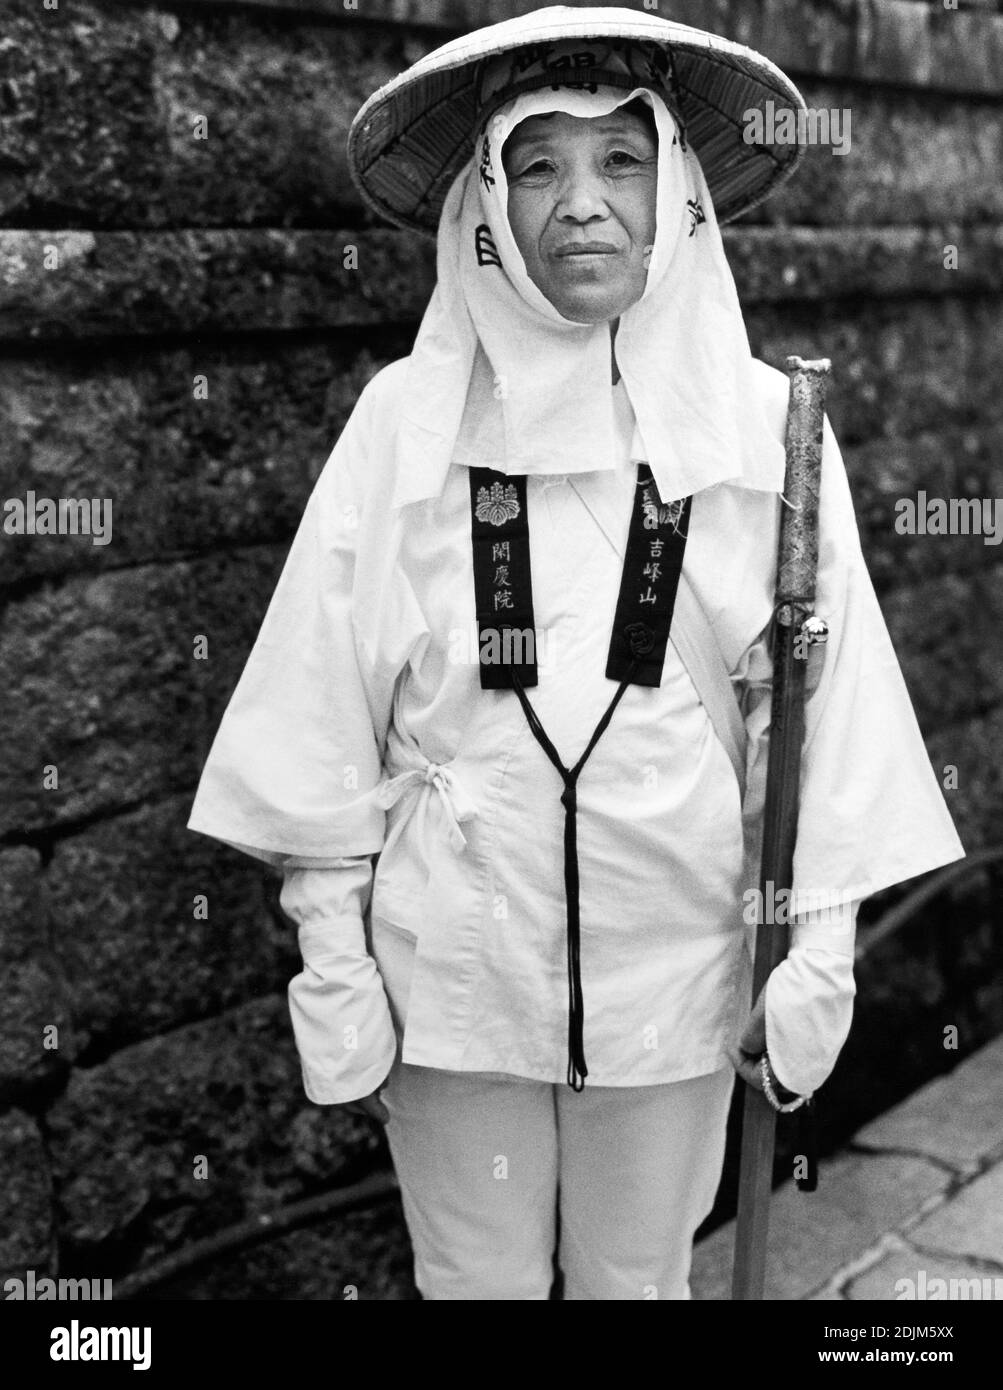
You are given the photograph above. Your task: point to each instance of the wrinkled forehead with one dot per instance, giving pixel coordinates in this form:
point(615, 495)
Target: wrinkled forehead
point(560, 128)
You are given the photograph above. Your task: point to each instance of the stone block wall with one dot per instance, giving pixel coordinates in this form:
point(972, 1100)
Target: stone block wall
point(136, 1038)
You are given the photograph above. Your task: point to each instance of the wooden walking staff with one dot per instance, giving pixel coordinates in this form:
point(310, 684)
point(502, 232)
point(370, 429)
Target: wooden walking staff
point(797, 563)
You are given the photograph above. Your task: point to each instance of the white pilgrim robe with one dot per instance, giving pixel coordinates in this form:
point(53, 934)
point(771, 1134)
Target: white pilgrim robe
point(359, 727)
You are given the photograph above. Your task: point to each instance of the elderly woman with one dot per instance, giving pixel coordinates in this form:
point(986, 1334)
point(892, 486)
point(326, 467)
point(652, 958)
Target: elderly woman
point(526, 607)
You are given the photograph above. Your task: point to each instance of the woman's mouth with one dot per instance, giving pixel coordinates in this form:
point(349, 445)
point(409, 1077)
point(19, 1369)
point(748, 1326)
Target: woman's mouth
point(586, 248)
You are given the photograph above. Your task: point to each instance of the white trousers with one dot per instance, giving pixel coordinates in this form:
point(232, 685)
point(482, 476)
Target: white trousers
point(491, 1167)
point(486, 1164)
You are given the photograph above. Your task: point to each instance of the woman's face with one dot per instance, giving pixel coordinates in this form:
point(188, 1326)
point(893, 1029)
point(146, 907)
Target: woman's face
point(581, 205)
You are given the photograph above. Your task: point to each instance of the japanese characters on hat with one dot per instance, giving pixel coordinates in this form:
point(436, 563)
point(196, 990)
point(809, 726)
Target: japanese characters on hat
point(412, 137)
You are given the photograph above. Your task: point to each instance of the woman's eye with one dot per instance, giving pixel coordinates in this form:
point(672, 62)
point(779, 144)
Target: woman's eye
point(621, 159)
point(539, 166)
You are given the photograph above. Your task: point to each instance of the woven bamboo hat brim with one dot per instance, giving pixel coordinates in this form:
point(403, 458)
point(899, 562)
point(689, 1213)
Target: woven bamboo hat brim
point(413, 136)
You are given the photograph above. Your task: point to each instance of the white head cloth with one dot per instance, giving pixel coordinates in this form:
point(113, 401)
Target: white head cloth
point(499, 378)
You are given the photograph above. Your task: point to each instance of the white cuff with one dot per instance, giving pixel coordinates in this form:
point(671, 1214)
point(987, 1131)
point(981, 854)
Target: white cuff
point(809, 999)
point(340, 1014)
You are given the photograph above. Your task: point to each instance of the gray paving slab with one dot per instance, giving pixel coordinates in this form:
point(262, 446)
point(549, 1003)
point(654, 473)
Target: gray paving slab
point(957, 1119)
point(909, 1275)
point(814, 1235)
point(970, 1225)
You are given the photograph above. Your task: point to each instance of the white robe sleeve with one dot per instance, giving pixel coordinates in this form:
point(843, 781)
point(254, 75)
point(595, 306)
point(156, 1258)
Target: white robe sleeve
point(872, 812)
point(340, 1014)
point(297, 758)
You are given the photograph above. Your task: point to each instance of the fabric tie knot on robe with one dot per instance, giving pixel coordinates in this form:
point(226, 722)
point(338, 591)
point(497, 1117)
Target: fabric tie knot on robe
point(455, 801)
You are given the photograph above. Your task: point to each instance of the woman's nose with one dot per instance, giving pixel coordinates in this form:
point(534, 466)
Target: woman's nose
point(581, 198)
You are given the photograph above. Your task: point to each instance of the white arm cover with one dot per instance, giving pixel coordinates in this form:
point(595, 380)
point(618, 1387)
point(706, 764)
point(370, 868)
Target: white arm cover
point(340, 1014)
point(809, 998)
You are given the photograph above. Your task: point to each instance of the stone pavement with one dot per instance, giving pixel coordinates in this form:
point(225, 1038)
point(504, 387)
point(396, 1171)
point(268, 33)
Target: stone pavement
point(917, 1195)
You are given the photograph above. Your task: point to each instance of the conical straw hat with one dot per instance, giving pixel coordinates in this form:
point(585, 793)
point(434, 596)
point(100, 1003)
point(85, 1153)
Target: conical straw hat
point(413, 136)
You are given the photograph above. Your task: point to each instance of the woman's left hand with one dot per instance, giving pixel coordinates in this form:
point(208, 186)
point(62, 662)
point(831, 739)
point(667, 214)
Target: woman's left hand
point(751, 1045)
